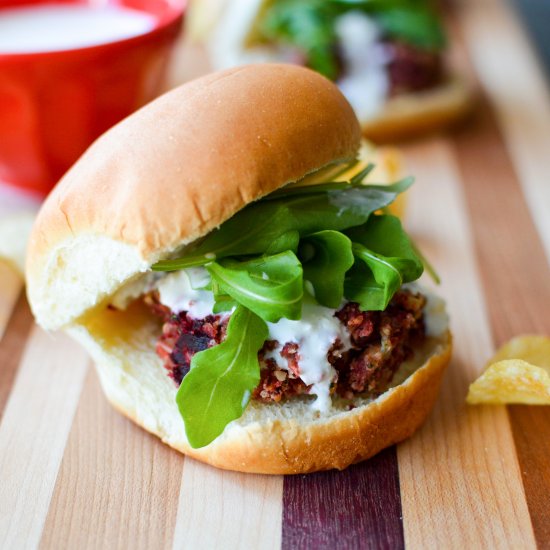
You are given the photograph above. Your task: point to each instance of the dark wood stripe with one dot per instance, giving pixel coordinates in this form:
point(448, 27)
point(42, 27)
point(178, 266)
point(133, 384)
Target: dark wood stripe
point(13, 344)
point(531, 429)
point(516, 279)
point(117, 487)
point(359, 508)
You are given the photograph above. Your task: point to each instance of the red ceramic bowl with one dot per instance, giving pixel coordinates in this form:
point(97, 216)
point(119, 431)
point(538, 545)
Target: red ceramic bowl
point(54, 104)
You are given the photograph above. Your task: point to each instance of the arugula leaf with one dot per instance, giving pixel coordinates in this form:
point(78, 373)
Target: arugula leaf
point(304, 25)
point(326, 257)
point(218, 387)
point(357, 200)
point(286, 241)
point(257, 227)
point(361, 175)
point(308, 25)
point(385, 260)
point(222, 301)
point(413, 25)
point(270, 286)
point(385, 235)
point(373, 284)
point(355, 181)
point(223, 304)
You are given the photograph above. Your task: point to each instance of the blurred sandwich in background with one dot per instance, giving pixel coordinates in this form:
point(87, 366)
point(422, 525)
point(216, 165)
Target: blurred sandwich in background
point(388, 57)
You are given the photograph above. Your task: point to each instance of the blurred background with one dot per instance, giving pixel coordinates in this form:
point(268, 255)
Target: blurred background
point(535, 14)
point(54, 104)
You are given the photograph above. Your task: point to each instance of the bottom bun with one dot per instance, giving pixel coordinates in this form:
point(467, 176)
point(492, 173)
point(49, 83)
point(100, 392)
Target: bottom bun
point(411, 115)
point(288, 438)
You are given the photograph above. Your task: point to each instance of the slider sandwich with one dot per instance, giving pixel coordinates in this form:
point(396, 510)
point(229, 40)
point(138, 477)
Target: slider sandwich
point(232, 267)
point(387, 56)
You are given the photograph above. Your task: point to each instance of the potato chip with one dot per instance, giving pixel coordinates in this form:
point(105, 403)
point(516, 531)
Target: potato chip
point(518, 373)
point(531, 348)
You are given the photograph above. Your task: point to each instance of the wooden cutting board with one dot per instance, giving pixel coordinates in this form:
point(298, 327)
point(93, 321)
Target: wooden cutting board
point(75, 474)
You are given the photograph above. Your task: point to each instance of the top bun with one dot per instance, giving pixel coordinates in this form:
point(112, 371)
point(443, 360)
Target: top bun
point(174, 171)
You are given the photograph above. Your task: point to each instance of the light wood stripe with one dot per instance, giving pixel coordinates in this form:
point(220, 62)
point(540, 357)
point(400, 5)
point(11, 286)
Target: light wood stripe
point(33, 434)
point(513, 79)
point(228, 510)
point(10, 288)
point(460, 481)
point(117, 486)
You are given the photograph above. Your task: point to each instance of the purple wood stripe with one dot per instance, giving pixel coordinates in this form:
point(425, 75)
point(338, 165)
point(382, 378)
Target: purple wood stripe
point(359, 508)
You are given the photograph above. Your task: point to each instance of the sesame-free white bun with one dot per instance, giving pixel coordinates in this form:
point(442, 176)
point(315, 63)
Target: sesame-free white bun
point(159, 180)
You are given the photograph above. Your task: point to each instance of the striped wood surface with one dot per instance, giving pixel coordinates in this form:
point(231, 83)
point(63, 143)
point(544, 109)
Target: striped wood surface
point(75, 474)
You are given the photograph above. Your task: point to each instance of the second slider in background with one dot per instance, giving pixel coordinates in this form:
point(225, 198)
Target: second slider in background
point(390, 59)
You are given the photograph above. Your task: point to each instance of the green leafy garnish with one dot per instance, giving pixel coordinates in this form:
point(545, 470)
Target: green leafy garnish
point(373, 283)
point(309, 26)
point(385, 259)
point(267, 225)
point(419, 27)
point(223, 303)
point(385, 235)
point(326, 257)
point(286, 241)
point(305, 25)
point(218, 387)
point(270, 286)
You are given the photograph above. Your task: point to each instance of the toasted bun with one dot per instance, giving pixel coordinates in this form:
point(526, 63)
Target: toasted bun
point(271, 439)
point(174, 171)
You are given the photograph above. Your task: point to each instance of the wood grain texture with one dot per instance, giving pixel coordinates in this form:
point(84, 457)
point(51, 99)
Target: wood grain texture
point(461, 466)
point(13, 345)
point(10, 288)
point(117, 487)
point(519, 94)
point(512, 261)
point(229, 510)
point(531, 429)
point(512, 219)
point(358, 508)
point(34, 431)
point(73, 473)
point(507, 242)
